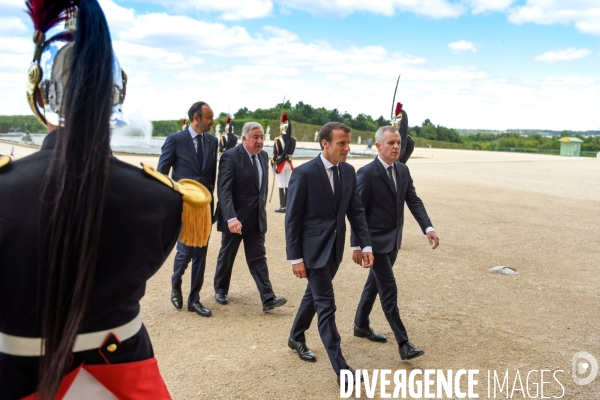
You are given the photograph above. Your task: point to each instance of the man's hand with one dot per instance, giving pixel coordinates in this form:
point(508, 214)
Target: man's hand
point(235, 226)
point(357, 257)
point(433, 238)
point(367, 260)
point(299, 270)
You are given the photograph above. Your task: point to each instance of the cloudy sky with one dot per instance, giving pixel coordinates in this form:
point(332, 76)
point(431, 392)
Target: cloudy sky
point(488, 64)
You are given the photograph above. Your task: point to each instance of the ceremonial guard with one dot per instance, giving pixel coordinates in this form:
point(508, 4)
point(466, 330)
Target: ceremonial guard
point(228, 140)
point(81, 231)
point(281, 161)
point(400, 122)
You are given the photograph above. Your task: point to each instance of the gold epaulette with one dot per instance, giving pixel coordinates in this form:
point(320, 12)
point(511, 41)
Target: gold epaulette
point(4, 161)
point(196, 216)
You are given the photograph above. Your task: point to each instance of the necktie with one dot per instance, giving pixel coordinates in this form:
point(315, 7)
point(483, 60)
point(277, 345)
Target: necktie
point(391, 178)
point(255, 166)
point(337, 185)
point(200, 151)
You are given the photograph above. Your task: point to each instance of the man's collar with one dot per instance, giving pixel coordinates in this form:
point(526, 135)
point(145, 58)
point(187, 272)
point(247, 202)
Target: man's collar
point(193, 133)
point(326, 163)
point(249, 154)
point(385, 165)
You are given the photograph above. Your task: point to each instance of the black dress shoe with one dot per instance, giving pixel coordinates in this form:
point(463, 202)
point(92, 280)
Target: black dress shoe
point(176, 298)
point(408, 351)
point(274, 302)
point(369, 334)
point(304, 352)
point(199, 309)
point(280, 210)
point(221, 298)
point(346, 382)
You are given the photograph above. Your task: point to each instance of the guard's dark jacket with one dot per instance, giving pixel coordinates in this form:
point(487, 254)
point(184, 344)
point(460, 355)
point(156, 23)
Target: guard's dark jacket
point(140, 225)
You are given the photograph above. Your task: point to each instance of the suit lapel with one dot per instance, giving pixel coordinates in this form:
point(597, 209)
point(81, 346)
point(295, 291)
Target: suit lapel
point(263, 165)
point(398, 181)
point(189, 144)
point(323, 177)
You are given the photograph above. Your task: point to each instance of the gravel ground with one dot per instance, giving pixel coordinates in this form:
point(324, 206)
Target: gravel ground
point(537, 214)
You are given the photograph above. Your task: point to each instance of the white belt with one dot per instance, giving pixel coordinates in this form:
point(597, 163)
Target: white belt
point(32, 347)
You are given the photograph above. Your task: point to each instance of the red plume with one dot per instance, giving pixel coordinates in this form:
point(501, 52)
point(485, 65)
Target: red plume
point(184, 122)
point(398, 109)
point(47, 13)
point(284, 118)
point(228, 120)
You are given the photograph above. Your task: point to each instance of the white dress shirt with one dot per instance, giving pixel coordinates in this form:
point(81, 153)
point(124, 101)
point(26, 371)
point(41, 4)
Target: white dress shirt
point(195, 137)
point(328, 166)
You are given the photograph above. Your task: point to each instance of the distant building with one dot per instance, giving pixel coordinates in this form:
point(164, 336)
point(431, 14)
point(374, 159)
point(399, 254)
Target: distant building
point(570, 146)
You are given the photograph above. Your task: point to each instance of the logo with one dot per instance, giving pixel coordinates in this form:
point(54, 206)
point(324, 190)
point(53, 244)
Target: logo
point(585, 368)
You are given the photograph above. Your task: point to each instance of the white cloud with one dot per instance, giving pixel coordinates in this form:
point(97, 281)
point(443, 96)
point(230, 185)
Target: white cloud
point(563, 55)
point(229, 10)
point(482, 6)
point(150, 57)
point(583, 14)
point(12, 25)
point(461, 46)
point(342, 8)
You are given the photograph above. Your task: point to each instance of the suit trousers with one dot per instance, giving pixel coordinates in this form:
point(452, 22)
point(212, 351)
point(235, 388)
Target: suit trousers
point(254, 247)
point(381, 280)
point(198, 257)
point(319, 298)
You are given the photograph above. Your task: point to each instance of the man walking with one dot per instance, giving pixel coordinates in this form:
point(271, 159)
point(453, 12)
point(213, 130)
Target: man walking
point(241, 214)
point(385, 185)
point(322, 193)
point(192, 153)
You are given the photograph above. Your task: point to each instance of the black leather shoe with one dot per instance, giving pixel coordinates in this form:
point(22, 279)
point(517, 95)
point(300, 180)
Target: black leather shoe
point(408, 351)
point(221, 298)
point(369, 334)
point(199, 309)
point(345, 383)
point(274, 302)
point(176, 298)
point(304, 352)
point(280, 210)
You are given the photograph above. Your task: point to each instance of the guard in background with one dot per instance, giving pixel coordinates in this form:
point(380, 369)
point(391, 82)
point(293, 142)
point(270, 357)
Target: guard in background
point(281, 162)
point(228, 140)
point(400, 122)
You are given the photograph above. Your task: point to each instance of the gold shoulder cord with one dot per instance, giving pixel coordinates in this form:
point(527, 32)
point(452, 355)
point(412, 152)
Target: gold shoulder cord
point(4, 161)
point(196, 216)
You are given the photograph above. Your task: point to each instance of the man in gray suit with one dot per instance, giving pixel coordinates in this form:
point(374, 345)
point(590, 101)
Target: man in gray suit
point(385, 185)
point(192, 153)
point(241, 214)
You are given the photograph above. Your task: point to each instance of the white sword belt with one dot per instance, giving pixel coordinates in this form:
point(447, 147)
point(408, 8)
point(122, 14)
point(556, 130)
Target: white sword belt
point(32, 347)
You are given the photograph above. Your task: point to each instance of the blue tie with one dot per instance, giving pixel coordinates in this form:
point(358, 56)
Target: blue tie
point(200, 151)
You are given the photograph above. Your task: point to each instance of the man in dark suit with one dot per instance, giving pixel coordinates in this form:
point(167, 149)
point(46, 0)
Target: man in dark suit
point(192, 153)
point(322, 192)
point(241, 214)
point(385, 185)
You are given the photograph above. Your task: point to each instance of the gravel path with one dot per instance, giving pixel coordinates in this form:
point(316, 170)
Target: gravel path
point(537, 214)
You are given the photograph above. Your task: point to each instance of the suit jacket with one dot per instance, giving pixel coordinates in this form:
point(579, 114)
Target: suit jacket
point(238, 192)
point(384, 210)
point(313, 222)
point(179, 153)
